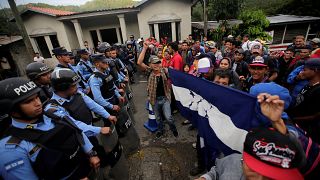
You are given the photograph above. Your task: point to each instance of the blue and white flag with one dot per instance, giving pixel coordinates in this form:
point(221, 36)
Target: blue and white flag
point(222, 114)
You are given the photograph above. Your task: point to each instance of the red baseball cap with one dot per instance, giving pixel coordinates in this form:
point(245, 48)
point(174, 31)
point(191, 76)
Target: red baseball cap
point(272, 154)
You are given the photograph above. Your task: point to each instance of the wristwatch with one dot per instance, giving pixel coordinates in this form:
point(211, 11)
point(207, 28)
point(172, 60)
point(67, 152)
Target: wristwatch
point(92, 153)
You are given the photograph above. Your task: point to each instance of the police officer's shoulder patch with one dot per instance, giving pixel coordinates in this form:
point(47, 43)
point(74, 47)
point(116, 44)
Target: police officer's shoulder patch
point(14, 164)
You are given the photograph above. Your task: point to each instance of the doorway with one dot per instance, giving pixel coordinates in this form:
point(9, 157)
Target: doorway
point(165, 31)
point(109, 35)
point(42, 46)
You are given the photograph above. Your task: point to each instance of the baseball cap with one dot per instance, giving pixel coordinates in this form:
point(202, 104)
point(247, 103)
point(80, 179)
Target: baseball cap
point(315, 40)
point(154, 60)
point(83, 51)
point(272, 154)
point(256, 47)
point(259, 61)
point(313, 63)
point(273, 89)
point(204, 65)
point(60, 51)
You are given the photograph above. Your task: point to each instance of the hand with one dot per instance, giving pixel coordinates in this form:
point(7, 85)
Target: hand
point(146, 44)
point(242, 78)
point(300, 76)
point(105, 130)
point(122, 99)
point(123, 85)
point(113, 119)
point(121, 91)
point(271, 106)
point(116, 108)
point(88, 90)
point(94, 162)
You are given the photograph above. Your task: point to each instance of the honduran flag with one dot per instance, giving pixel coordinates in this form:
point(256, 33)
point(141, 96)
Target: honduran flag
point(221, 114)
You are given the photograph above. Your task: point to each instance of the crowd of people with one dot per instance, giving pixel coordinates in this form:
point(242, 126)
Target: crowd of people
point(250, 67)
point(67, 122)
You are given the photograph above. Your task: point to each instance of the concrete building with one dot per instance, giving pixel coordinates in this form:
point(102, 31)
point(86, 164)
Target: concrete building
point(49, 28)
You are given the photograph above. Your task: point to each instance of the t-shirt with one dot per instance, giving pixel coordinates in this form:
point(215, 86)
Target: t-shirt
point(307, 104)
point(177, 62)
point(160, 87)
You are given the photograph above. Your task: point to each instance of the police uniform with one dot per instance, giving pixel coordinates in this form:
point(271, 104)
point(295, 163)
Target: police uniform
point(103, 89)
point(85, 68)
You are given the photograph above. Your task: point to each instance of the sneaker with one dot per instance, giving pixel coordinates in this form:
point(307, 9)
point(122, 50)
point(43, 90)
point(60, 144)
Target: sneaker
point(186, 122)
point(194, 145)
point(159, 134)
point(196, 171)
point(175, 133)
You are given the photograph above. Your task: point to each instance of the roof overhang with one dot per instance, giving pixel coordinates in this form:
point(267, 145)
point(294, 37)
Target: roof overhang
point(42, 32)
point(98, 13)
point(163, 18)
point(5, 40)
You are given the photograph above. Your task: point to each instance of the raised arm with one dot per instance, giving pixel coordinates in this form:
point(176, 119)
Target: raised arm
point(142, 55)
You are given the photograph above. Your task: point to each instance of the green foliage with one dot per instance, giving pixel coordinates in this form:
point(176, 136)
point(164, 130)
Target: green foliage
point(197, 13)
point(301, 7)
point(269, 7)
point(224, 9)
point(254, 24)
point(106, 4)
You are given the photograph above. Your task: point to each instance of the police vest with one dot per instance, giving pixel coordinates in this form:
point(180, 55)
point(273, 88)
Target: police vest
point(77, 109)
point(107, 89)
point(60, 154)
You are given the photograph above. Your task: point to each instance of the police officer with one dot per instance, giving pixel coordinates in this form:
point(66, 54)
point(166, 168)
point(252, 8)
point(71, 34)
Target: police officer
point(64, 82)
point(106, 94)
point(63, 57)
point(36, 146)
point(103, 88)
point(67, 100)
point(40, 74)
point(84, 66)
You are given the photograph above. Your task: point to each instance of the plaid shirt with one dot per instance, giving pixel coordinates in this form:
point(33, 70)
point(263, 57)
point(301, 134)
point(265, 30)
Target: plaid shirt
point(152, 86)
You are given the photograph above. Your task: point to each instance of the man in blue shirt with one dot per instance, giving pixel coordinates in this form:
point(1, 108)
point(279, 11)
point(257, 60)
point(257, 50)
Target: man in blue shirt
point(22, 155)
point(84, 66)
point(63, 57)
point(104, 90)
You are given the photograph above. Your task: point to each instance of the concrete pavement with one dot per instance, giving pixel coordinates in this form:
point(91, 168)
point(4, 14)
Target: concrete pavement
point(160, 159)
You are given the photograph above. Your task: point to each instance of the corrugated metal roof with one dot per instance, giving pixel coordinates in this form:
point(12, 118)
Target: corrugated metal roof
point(4, 40)
point(281, 18)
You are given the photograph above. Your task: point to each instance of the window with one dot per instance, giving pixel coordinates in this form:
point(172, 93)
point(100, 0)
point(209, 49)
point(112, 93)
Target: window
point(54, 41)
point(165, 31)
point(94, 37)
point(151, 27)
point(178, 31)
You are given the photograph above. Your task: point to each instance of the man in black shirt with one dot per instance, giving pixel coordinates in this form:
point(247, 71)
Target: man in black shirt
point(306, 111)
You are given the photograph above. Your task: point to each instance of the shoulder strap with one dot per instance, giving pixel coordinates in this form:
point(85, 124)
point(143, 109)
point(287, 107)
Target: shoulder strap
point(99, 75)
point(88, 67)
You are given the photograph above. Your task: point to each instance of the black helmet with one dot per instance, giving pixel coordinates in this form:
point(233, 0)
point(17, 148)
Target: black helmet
point(62, 79)
point(15, 90)
point(36, 69)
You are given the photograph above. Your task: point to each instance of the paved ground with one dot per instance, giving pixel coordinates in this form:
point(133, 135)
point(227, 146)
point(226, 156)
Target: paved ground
point(160, 159)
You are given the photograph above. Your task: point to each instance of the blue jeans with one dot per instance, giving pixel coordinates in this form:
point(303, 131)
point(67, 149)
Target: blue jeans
point(162, 110)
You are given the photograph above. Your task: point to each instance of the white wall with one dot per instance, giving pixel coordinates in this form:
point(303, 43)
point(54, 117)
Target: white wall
point(71, 34)
point(97, 23)
point(36, 21)
point(181, 8)
point(132, 25)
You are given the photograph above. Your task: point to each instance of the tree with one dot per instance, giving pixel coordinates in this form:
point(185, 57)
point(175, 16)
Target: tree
point(224, 9)
point(254, 24)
